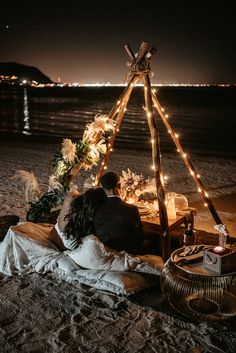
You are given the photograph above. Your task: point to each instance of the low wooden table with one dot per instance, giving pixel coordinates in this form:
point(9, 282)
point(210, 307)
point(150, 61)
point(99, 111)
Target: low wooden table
point(152, 230)
point(152, 224)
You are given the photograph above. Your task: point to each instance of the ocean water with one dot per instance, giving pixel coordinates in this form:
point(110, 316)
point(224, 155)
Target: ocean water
point(204, 117)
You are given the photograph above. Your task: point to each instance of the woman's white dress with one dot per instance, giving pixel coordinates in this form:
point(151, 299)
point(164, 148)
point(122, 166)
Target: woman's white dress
point(27, 247)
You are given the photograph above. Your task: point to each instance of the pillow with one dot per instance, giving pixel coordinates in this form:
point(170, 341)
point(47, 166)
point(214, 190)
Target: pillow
point(93, 254)
point(121, 283)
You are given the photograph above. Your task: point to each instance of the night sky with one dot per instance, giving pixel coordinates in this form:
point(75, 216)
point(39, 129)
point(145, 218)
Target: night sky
point(195, 40)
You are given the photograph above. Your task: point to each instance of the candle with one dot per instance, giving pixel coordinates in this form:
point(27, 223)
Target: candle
point(218, 249)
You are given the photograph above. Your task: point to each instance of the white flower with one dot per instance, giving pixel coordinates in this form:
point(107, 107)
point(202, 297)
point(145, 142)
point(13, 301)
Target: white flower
point(96, 129)
point(68, 150)
point(54, 184)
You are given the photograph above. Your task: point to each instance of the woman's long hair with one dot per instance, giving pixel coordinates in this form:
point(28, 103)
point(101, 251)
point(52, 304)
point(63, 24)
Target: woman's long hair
point(81, 213)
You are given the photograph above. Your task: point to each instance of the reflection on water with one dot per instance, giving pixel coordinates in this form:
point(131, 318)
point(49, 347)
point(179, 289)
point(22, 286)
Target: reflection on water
point(26, 127)
point(204, 118)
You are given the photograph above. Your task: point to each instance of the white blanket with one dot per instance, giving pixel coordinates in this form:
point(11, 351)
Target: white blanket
point(28, 248)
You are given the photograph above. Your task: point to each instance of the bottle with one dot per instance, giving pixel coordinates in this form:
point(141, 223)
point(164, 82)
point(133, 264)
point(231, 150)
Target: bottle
point(189, 238)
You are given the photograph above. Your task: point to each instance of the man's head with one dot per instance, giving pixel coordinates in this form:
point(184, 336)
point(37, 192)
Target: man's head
point(110, 182)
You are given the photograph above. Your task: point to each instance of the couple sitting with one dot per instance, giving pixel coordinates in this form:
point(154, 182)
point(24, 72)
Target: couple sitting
point(93, 242)
point(100, 211)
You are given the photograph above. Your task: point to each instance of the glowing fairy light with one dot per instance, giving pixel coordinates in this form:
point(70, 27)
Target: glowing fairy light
point(117, 130)
point(169, 131)
point(176, 135)
point(184, 155)
point(199, 190)
point(162, 109)
point(103, 163)
point(152, 141)
point(118, 102)
point(162, 179)
point(206, 194)
point(205, 204)
point(166, 177)
point(111, 149)
point(118, 110)
point(149, 114)
point(105, 167)
point(166, 116)
point(198, 176)
point(191, 172)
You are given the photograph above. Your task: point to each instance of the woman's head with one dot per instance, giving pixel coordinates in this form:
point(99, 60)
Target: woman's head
point(81, 213)
point(92, 199)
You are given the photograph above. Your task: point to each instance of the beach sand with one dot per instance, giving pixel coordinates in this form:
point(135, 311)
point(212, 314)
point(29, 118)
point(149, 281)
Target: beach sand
point(39, 313)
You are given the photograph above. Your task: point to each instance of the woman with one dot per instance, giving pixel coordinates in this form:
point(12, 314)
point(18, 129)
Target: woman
point(28, 244)
point(75, 220)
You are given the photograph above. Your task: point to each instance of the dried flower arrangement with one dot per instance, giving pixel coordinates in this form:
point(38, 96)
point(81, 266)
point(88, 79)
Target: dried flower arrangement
point(66, 164)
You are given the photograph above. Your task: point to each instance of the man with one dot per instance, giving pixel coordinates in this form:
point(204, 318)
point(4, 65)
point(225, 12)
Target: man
point(117, 223)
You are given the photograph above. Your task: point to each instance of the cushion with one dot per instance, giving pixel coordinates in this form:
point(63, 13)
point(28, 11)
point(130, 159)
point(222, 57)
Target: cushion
point(93, 254)
point(121, 283)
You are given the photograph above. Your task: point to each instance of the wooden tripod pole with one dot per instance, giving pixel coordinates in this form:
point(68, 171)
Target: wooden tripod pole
point(118, 110)
point(187, 162)
point(156, 160)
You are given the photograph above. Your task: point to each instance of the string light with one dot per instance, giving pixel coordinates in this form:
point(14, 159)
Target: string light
point(166, 116)
point(177, 135)
point(198, 176)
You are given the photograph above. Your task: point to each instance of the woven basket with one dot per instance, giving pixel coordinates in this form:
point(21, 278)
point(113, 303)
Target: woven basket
point(6, 222)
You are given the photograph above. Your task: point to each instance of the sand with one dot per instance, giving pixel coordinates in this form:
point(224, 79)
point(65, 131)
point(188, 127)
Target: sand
point(39, 313)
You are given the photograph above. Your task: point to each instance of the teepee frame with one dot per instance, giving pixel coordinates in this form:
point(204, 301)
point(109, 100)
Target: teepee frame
point(140, 71)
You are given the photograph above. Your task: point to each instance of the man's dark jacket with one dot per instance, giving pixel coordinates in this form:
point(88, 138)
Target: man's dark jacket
point(118, 225)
